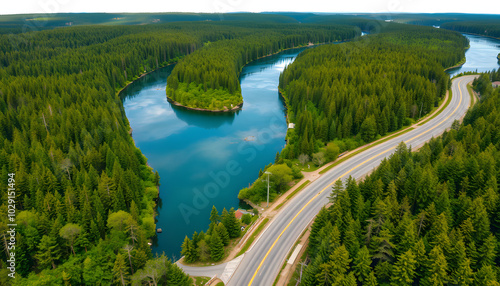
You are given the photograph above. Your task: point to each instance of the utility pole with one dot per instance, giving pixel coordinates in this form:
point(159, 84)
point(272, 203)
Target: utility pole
point(268, 173)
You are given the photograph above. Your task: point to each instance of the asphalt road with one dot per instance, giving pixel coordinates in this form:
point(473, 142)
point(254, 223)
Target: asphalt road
point(262, 263)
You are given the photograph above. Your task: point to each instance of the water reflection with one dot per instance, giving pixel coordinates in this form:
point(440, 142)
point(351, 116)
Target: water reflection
point(481, 56)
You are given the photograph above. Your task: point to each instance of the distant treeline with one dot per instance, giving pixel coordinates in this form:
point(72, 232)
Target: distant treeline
point(490, 28)
point(208, 78)
point(368, 87)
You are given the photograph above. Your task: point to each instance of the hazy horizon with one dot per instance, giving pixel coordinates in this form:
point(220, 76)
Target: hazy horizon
point(257, 6)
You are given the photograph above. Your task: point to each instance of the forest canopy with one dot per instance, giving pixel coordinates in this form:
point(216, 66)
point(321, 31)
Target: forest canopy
point(368, 87)
point(209, 78)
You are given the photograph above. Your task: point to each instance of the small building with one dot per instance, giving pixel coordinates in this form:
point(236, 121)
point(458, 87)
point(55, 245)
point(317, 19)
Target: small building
point(495, 84)
point(291, 125)
point(238, 214)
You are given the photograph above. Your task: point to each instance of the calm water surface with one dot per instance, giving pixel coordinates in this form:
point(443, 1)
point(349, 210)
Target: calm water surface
point(481, 56)
point(204, 159)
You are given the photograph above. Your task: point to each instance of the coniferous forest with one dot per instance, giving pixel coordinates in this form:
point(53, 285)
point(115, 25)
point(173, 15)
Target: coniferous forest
point(430, 217)
point(208, 78)
point(367, 88)
point(84, 193)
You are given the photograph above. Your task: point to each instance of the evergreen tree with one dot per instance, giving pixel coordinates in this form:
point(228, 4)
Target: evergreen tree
point(48, 253)
point(437, 268)
point(120, 271)
point(232, 224)
point(223, 234)
point(214, 215)
point(361, 265)
point(404, 269)
point(187, 250)
point(216, 247)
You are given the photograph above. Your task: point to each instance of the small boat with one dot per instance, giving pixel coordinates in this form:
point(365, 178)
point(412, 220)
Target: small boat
point(159, 230)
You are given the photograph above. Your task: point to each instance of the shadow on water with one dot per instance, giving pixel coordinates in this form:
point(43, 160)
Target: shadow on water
point(147, 81)
point(203, 119)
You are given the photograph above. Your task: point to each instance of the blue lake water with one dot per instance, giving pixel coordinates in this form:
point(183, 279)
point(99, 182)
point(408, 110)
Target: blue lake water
point(204, 159)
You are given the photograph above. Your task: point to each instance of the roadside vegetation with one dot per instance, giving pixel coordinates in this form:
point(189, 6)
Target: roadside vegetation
point(425, 218)
point(214, 244)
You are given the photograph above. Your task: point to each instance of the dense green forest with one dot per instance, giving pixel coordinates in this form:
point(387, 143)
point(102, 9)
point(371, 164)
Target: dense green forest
point(84, 193)
point(208, 78)
point(367, 88)
point(490, 28)
point(430, 217)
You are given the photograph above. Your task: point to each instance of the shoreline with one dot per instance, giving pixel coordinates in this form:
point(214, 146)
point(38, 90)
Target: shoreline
point(142, 75)
point(238, 107)
point(234, 109)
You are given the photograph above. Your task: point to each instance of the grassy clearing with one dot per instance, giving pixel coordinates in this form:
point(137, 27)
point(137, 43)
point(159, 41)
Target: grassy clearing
point(253, 236)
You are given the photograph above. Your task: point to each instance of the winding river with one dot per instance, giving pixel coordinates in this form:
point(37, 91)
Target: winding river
point(481, 56)
point(204, 159)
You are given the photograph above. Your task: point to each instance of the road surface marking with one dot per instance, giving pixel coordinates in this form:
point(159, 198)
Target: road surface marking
point(355, 167)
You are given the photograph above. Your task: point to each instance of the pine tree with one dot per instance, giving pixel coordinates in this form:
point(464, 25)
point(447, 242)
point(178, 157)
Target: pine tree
point(437, 268)
point(223, 234)
point(214, 215)
point(48, 253)
point(404, 269)
point(371, 280)
point(232, 224)
point(187, 250)
point(463, 274)
point(486, 276)
point(216, 247)
point(318, 224)
point(361, 265)
point(120, 271)
point(176, 276)
point(487, 251)
point(337, 189)
point(339, 264)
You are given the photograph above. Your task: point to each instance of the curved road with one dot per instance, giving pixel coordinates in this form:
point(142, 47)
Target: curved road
point(262, 263)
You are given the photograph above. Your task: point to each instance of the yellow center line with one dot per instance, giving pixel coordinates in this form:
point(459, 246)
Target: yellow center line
point(343, 175)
